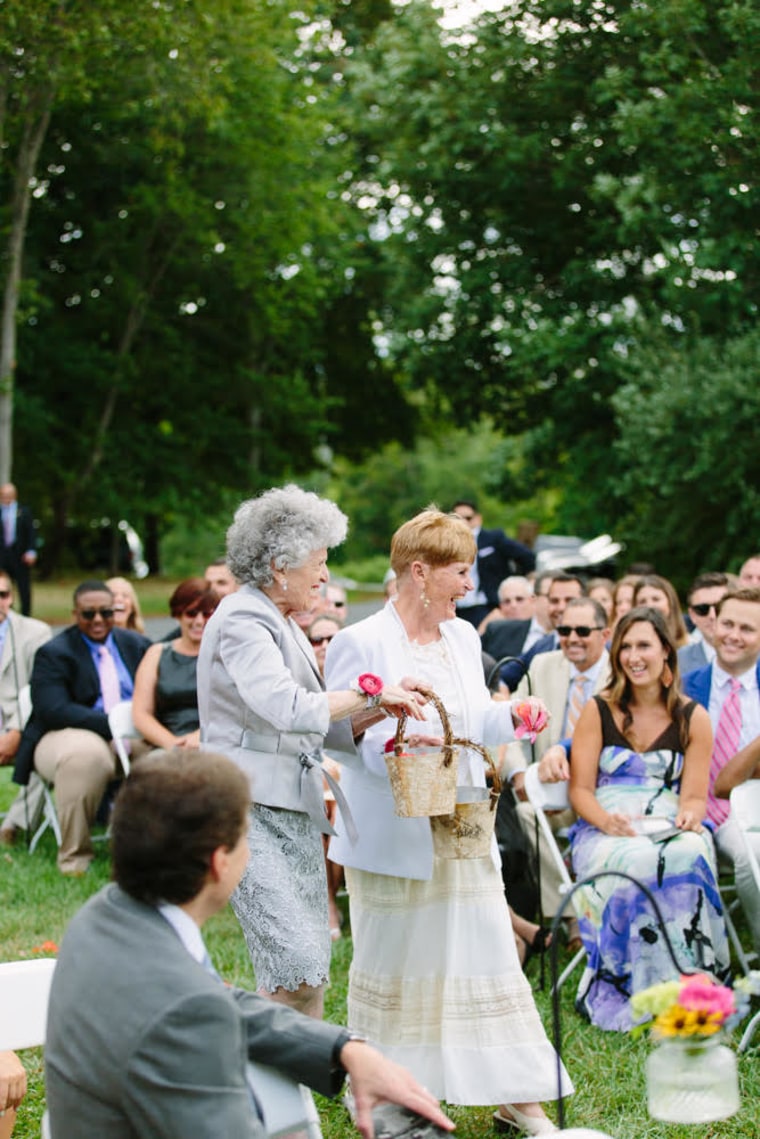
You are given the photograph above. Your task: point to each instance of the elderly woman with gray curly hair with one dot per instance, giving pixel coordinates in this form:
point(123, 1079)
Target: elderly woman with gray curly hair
point(263, 703)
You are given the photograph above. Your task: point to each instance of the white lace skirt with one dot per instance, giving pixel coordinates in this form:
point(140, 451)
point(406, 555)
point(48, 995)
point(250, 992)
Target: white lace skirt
point(281, 902)
point(436, 983)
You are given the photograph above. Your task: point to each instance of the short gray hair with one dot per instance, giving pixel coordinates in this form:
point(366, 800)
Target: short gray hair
point(281, 528)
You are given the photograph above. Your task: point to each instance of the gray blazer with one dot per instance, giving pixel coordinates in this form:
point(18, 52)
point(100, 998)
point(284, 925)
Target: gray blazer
point(262, 700)
point(691, 657)
point(143, 1043)
point(23, 637)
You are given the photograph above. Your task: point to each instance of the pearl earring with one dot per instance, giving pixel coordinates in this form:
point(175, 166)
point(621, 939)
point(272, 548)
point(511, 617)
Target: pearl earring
point(424, 599)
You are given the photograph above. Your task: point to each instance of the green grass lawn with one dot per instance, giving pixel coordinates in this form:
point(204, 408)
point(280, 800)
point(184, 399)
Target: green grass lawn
point(36, 903)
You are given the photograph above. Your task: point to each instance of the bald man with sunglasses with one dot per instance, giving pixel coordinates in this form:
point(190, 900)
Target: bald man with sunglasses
point(76, 679)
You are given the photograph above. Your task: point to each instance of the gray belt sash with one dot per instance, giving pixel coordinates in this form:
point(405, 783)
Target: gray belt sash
point(314, 799)
point(311, 791)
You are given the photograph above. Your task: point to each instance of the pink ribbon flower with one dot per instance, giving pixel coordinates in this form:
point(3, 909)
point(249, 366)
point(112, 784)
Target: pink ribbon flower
point(533, 720)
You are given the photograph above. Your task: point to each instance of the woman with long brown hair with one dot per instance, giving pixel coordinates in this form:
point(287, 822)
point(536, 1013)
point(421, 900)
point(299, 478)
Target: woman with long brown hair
point(658, 593)
point(638, 782)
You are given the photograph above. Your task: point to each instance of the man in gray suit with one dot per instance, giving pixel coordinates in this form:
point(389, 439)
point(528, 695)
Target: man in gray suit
point(704, 594)
point(143, 1038)
point(20, 637)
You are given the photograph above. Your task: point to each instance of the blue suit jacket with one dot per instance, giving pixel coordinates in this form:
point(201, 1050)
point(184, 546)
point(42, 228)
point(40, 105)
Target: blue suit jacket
point(513, 672)
point(697, 684)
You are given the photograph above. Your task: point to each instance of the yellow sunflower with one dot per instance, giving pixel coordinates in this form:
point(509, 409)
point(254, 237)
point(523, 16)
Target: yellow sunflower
point(679, 1021)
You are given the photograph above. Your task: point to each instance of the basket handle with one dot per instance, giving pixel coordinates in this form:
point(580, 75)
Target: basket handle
point(490, 766)
point(448, 739)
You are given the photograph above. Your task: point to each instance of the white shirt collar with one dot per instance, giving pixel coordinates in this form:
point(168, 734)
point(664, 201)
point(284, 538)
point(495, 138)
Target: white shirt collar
point(722, 679)
point(590, 673)
point(186, 930)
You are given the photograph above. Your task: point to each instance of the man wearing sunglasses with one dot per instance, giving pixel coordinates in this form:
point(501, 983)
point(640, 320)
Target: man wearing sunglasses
point(20, 637)
point(704, 594)
point(77, 678)
point(565, 680)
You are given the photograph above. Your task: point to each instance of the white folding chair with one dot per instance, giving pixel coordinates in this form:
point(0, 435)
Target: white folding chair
point(545, 797)
point(122, 728)
point(745, 811)
point(24, 996)
point(49, 814)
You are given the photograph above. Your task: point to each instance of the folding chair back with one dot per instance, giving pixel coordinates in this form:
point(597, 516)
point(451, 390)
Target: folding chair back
point(24, 995)
point(122, 728)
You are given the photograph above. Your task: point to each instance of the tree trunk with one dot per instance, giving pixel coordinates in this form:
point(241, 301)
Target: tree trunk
point(35, 129)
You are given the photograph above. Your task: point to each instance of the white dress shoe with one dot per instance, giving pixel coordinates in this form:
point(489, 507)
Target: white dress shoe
point(508, 1118)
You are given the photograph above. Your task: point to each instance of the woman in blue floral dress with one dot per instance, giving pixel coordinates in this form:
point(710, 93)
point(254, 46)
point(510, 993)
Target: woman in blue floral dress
point(639, 773)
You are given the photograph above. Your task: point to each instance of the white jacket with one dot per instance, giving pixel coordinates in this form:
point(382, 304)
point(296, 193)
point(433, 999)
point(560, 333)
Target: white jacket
point(388, 844)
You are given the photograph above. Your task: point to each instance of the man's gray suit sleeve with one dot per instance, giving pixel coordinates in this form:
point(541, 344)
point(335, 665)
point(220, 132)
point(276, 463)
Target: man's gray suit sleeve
point(298, 1046)
point(186, 1076)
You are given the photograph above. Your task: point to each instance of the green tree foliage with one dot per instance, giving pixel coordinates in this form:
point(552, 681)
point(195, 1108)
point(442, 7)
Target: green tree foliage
point(189, 320)
point(686, 461)
point(543, 181)
point(397, 482)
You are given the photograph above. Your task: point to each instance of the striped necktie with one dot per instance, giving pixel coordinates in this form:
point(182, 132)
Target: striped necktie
point(727, 736)
point(577, 702)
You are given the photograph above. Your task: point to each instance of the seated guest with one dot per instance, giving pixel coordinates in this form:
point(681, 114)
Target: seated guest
point(561, 588)
point(640, 763)
point(602, 589)
point(165, 701)
point(126, 607)
point(334, 601)
point(77, 678)
point(729, 688)
point(705, 592)
point(143, 1039)
point(20, 637)
point(658, 593)
point(622, 596)
point(516, 602)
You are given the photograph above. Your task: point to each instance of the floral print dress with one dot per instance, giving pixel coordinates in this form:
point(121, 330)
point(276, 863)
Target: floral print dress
point(625, 946)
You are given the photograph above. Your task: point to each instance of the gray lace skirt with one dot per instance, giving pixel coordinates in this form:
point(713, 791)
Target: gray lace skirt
point(281, 902)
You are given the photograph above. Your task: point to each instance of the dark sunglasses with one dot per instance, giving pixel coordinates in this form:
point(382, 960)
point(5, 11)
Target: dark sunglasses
point(91, 614)
point(579, 630)
point(5, 594)
point(194, 611)
point(701, 610)
point(321, 640)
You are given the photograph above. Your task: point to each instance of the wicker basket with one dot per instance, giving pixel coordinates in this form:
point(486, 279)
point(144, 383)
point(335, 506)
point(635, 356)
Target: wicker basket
point(468, 830)
point(424, 783)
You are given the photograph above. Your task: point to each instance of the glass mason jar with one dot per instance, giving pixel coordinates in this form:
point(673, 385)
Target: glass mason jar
point(692, 1079)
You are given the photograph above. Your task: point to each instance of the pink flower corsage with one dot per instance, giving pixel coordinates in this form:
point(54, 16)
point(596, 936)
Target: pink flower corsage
point(370, 684)
point(533, 720)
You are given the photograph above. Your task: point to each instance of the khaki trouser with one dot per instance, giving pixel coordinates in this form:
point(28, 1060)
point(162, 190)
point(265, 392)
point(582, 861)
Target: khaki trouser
point(80, 764)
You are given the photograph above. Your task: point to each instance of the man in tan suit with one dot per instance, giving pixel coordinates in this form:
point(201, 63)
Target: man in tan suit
point(564, 679)
point(20, 637)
